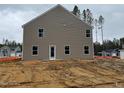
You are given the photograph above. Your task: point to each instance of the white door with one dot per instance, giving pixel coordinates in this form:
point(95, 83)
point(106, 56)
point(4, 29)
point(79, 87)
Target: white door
point(52, 52)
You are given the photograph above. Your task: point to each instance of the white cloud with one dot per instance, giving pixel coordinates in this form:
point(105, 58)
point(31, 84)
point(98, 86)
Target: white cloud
point(11, 22)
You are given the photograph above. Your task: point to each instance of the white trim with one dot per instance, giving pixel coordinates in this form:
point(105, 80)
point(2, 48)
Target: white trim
point(69, 50)
point(50, 58)
point(32, 50)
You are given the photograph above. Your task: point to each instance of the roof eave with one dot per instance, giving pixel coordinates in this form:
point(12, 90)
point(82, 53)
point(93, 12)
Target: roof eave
point(39, 16)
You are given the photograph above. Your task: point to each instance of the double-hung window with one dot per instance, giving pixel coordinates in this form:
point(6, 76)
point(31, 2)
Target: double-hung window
point(34, 50)
point(67, 50)
point(86, 49)
point(40, 32)
point(88, 33)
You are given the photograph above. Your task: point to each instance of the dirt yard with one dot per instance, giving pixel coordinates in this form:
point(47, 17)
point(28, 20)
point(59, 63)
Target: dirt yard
point(67, 73)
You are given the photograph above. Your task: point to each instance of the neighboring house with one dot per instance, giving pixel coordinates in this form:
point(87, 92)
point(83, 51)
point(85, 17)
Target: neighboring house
point(111, 52)
point(57, 34)
point(16, 51)
point(6, 51)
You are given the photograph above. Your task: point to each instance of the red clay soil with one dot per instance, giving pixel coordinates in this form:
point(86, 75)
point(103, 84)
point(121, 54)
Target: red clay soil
point(10, 59)
point(105, 57)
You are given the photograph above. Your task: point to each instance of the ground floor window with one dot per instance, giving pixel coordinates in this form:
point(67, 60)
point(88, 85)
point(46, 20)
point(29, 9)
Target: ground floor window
point(86, 49)
point(34, 50)
point(67, 51)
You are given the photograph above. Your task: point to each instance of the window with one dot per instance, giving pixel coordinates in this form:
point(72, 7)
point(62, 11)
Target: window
point(40, 32)
point(87, 33)
point(67, 50)
point(35, 50)
point(86, 49)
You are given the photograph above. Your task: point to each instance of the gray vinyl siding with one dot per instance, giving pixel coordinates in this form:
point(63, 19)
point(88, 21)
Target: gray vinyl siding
point(60, 29)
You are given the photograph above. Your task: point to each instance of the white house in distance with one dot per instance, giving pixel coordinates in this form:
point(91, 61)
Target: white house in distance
point(16, 51)
point(7, 51)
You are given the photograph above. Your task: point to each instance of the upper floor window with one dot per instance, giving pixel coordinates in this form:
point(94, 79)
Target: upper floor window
point(86, 49)
point(34, 50)
point(40, 32)
point(88, 33)
point(67, 51)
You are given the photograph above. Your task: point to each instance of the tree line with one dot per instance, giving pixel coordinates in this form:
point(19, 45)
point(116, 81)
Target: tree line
point(10, 43)
point(108, 44)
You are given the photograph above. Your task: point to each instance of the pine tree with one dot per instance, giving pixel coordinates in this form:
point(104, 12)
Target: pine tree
point(75, 10)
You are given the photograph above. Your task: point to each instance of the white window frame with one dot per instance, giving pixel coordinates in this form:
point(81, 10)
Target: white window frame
point(84, 50)
point(86, 33)
point(69, 50)
point(37, 50)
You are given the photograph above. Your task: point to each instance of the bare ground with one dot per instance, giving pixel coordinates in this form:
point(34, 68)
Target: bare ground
point(67, 73)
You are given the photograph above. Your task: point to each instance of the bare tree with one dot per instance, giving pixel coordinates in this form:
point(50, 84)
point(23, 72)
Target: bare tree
point(89, 17)
point(101, 22)
point(96, 28)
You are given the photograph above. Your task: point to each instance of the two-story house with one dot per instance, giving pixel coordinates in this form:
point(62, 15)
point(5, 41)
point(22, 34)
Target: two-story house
point(57, 34)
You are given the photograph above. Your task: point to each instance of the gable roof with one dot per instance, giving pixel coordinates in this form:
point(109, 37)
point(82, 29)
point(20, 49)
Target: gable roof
point(53, 9)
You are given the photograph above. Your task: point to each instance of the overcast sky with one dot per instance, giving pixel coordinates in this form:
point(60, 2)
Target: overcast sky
point(12, 17)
